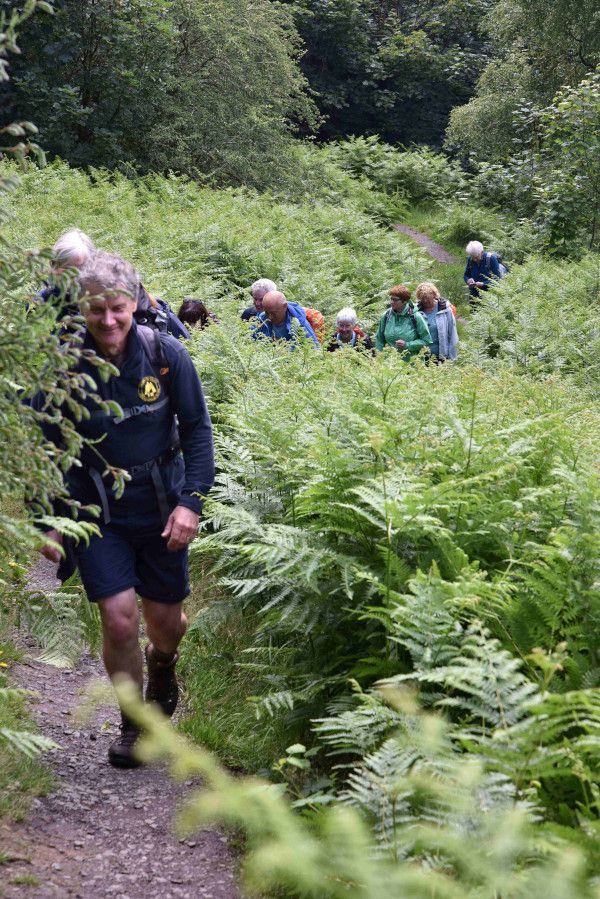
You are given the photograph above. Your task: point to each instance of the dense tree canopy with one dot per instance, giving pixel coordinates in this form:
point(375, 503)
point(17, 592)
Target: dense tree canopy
point(542, 46)
point(391, 68)
point(207, 86)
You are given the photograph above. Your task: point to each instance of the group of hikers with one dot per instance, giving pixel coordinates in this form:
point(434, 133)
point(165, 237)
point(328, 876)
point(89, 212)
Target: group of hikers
point(152, 423)
point(427, 324)
point(430, 325)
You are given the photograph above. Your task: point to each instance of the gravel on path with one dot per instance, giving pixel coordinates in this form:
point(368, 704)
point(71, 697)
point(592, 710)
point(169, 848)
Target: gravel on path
point(434, 249)
point(103, 832)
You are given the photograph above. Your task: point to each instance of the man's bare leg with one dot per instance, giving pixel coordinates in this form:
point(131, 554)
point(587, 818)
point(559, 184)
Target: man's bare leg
point(165, 624)
point(120, 629)
point(122, 655)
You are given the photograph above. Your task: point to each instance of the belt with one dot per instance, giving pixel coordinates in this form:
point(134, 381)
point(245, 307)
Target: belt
point(152, 466)
point(170, 454)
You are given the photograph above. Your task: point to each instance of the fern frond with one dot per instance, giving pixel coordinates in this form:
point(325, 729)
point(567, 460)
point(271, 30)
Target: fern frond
point(25, 742)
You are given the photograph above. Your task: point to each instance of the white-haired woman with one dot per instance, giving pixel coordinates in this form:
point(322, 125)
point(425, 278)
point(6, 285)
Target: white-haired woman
point(259, 290)
point(348, 332)
point(439, 316)
point(481, 268)
point(72, 250)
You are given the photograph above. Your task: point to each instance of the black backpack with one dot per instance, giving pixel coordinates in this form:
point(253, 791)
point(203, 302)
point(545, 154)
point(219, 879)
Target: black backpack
point(156, 313)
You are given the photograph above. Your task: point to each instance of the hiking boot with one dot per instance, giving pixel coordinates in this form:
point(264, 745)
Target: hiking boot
point(121, 751)
point(162, 685)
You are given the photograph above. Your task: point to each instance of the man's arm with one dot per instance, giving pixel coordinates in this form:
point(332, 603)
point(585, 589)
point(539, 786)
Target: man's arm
point(467, 276)
point(195, 428)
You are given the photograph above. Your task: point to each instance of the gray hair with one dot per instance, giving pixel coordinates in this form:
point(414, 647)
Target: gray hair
point(72, 245)
point(346, 316)
point(263, 284)
point(474, 248)
point(104, 272)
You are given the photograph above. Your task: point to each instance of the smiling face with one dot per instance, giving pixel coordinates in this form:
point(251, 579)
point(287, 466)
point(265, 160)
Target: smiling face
point(108, 319)
point(345, 331)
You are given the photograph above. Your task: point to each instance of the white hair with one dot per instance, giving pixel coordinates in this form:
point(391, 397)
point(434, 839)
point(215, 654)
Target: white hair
point(263, 284)
point(474, 248)
point(346, 316)
point(104, 272)
point(72, 245)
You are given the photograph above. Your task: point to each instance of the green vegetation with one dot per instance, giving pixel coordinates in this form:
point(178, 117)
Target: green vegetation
point(396, 593)
point(375, 524)
point(540, 48)
point(27, 880)
point(153, 86)
point(21, 775)
point(458, 832)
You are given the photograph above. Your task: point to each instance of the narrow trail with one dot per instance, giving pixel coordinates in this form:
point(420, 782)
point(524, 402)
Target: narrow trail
point(102, 832)
point(434, 249)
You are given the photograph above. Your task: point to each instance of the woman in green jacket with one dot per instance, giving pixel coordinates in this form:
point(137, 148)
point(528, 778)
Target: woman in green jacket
point(401, 326)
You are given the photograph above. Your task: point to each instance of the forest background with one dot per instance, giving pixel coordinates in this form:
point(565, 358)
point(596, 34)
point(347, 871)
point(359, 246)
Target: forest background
point(376, 528)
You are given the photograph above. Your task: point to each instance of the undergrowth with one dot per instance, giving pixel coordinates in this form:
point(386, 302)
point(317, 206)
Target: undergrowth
point(380, 526)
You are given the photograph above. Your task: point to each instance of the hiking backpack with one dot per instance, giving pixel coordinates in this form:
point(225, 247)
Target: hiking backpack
point(316, 321)
point(156, 313)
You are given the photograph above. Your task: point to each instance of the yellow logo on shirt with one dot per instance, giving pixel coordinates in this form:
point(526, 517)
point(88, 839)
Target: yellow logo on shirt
point(149, 389)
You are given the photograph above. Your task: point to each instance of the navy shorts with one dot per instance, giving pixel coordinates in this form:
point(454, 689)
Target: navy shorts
point(127, 556)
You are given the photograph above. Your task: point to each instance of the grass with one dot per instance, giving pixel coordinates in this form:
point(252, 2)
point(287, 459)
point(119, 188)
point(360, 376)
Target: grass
point(21, 778)
point(219, 683)
point(26, 880)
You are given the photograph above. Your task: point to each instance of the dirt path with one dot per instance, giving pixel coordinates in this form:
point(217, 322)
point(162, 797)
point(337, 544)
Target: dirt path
point(434, 249)
point(103, 832)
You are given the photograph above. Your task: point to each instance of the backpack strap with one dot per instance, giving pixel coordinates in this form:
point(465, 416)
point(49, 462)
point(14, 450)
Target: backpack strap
point(413, 321)
point(153, 348)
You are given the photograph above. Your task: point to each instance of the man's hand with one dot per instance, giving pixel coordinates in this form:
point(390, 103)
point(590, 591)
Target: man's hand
point(52, 552)
point(471, 282)
point(181, 528)
point(400, 344)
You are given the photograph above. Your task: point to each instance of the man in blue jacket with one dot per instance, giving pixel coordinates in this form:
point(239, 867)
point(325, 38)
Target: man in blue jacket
point(281, 320)
point(162, 438)
point(481, 268)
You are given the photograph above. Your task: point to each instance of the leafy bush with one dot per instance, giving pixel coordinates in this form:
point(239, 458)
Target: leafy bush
point(418, 175)
point(348, 475)
point(542, 320)
point(465, 839)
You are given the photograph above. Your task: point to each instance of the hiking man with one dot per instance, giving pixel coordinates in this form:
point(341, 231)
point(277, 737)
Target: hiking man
point(481, 268)
point(163, 439)
point(282, 320)
point(258, 291)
